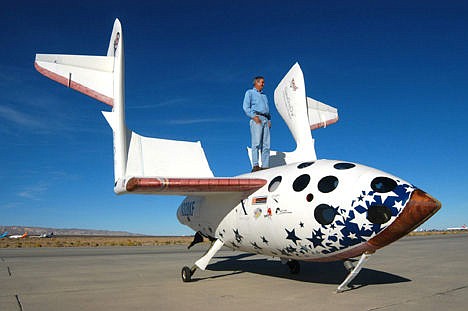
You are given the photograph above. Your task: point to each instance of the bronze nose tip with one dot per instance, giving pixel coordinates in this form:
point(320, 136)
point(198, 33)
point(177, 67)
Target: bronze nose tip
point(420, 207)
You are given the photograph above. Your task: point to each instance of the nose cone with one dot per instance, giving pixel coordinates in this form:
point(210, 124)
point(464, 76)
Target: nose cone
point(420, 207)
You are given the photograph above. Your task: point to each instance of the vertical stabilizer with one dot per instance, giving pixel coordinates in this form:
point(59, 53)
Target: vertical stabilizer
point(291, 103)
point(117, 117)
point(102, 78)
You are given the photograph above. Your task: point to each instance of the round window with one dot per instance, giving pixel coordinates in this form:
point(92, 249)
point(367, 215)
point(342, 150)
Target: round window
point(301, 182)
point(343, 166)
point(274, 184)
point(328, 184)
point(378, 214)
point(383, 184)
point(324, 214)
point(305, 164)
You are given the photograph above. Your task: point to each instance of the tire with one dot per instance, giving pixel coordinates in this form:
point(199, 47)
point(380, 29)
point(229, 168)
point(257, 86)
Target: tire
point(186, 274)
point(294, 266)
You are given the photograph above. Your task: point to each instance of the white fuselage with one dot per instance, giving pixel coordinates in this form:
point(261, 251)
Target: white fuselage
point(305, 211)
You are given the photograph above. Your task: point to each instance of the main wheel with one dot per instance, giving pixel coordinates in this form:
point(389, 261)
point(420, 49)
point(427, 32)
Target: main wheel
point(294, 266)
point(186, 274)
point(348, 265)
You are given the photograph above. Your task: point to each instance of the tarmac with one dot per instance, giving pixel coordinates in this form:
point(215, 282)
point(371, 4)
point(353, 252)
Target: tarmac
point(414, 273)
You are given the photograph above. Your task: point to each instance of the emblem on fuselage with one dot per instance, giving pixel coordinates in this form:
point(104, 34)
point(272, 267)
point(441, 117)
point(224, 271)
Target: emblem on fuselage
point(187, 208)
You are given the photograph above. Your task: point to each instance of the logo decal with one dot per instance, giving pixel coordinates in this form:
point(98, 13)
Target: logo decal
point(293, 85)
point(187, 207)
point(259, 200)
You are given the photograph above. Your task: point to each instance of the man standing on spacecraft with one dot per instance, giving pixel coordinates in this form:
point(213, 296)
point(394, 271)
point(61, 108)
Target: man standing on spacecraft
point(256, 108)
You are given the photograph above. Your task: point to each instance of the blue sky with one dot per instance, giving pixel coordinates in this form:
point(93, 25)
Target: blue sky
point(397, 72)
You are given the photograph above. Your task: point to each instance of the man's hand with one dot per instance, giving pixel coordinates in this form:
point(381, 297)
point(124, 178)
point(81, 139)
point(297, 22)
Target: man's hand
point(257, 120)
point(269, 124)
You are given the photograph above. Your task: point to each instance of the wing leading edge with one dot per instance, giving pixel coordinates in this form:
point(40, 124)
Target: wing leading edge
point(163, 185)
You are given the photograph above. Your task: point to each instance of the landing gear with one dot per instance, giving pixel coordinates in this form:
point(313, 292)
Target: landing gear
point(294, 266)
point(349, 265)
point(198, 238)
point(187, 273)
point(353, 270)
point(201, 263)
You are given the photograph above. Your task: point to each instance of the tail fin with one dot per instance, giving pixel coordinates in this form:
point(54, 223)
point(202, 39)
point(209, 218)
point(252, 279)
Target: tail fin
point(102, 77)
point(290, 101)
point(301, 114)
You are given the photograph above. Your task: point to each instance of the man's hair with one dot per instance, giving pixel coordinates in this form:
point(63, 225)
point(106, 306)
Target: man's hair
point(257, 78)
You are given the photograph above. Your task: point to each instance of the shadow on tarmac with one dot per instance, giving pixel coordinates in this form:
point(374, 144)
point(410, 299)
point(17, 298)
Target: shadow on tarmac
point(312, 272)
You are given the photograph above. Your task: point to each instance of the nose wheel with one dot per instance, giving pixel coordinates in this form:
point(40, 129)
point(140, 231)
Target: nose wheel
point(294, 266)
point(187, 273)
point(201, 263)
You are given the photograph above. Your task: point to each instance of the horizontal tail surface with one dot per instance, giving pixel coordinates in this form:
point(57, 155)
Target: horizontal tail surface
point(90, 75)
point(141, 164)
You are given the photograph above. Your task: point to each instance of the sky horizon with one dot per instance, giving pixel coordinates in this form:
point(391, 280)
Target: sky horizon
point(396, 72)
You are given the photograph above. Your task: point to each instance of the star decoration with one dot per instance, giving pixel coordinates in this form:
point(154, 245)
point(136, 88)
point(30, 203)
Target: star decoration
point(304, 249)
point(254, 244)
point(384, 196)
point(409, 189)
point(301, 224)
point(238, 236)
point(318, 233)
point(292, 236)
point(290, 249)
point(264, 240)
point(360, 220)
point(316, 238)
point(370, 198)
point(399, 205)
point(366, 226)
point(234, 244)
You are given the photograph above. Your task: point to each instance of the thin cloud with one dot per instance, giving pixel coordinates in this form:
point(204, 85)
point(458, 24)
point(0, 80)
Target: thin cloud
point(11, 205)
point(200, 120)
point(170, 102)
point(19, 118)
point(34, 192)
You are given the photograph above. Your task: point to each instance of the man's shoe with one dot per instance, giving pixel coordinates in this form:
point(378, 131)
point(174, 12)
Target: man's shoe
point(256, 168)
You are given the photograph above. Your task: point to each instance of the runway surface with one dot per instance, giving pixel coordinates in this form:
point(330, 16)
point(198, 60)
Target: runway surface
point(415, 273)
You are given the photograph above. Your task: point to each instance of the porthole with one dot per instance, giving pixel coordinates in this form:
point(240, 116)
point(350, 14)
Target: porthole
point(378, 214)
point(383, 184)
point(274, 184)
point(343, 166)
point(305, 164)
point(324, 214)
point(301, 182)
point(328, 184)
point(309, 197)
